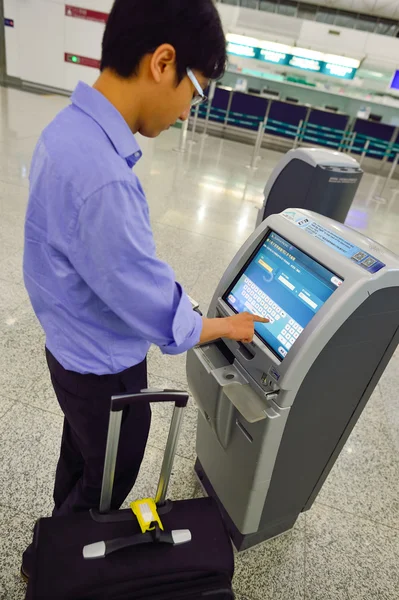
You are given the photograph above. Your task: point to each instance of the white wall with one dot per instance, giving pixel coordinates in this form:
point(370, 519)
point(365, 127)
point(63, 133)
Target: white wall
point(41, 36)
point(11, 38)
point(259, 24)
point(316, 36)
point(378, 8)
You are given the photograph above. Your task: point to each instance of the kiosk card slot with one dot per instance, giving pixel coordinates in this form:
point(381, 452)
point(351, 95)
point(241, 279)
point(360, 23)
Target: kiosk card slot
point(245, 351)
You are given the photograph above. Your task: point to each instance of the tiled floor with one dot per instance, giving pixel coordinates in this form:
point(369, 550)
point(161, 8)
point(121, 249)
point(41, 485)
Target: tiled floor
point(203, 205)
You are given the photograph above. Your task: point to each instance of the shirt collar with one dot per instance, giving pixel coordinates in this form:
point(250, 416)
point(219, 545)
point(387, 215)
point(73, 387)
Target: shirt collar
point(94, 104)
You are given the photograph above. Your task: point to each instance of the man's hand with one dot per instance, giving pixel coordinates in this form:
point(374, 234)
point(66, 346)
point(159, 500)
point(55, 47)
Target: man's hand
point(238, 327)
point(243, 326)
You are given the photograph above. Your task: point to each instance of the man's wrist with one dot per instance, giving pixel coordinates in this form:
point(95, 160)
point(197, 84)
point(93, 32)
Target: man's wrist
point(215, 328)
point(227, 327)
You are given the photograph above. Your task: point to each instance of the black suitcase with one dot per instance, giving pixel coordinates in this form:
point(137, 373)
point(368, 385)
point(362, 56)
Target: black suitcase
point(102, 555)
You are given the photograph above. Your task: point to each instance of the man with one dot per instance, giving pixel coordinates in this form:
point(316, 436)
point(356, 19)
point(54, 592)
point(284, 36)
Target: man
point(90, 267)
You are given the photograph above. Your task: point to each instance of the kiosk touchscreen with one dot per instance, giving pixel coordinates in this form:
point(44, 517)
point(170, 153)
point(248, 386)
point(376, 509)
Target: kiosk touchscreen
point(275, 413)
point(285, 285)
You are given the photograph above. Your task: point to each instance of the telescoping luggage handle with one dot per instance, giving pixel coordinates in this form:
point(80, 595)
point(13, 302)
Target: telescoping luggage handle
point(118, 403)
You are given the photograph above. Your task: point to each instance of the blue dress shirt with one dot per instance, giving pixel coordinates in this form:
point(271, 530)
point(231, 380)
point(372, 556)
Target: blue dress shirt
point(90, 266)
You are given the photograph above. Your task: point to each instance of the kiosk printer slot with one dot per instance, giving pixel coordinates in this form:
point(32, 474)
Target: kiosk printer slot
point(275, 414)
point(324, 181)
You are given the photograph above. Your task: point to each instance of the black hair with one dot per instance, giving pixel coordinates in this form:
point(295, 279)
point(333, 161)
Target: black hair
point(137, 27)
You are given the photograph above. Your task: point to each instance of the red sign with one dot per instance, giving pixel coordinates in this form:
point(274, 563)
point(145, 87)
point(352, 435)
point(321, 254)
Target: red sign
point(81, 60)
point(84, 13)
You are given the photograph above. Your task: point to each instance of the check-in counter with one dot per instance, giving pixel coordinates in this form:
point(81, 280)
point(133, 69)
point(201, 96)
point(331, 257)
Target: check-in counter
point(237, 115)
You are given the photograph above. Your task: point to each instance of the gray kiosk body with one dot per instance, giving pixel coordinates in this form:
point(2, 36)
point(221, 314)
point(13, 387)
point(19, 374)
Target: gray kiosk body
point(320, 180)
point(275, 414)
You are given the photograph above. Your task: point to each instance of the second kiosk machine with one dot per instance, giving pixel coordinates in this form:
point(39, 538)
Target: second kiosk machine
point(275, 414)
point(324, 181)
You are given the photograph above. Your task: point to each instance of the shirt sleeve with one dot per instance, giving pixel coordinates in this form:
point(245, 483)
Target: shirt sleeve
point(113, 250)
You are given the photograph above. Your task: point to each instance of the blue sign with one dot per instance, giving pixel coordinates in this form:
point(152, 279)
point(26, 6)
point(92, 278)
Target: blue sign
point(339, 244)
point(242, 50)
point(395, 81)
point(278, 58)
point(291, 60)
point(337, 70)
point(8, 22)
point(306, 64)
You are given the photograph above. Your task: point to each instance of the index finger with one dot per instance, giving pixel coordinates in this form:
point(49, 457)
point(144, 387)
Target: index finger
point(259, 319)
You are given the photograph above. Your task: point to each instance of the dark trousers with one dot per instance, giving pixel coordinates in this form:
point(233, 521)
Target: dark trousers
point(85, 402)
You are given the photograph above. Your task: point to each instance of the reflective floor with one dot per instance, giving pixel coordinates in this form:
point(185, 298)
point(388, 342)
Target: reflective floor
point(203, 206)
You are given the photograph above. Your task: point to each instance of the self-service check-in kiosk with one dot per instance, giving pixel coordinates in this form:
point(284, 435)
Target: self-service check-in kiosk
point(324, 181)
point(275, 414)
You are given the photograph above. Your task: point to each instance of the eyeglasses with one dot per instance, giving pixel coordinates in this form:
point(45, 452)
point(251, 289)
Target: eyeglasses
point(200, 98)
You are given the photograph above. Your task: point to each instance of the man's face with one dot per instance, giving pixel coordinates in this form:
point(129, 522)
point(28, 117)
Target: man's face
point(169, 103)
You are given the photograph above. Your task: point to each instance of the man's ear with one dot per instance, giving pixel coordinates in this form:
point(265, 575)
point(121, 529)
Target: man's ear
point(163, 62)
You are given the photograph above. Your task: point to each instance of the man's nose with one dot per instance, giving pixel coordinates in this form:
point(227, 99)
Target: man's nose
point(184, 115)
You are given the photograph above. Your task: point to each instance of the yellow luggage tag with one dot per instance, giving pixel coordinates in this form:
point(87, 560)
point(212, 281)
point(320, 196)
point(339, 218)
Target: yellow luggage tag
point(146, 513)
